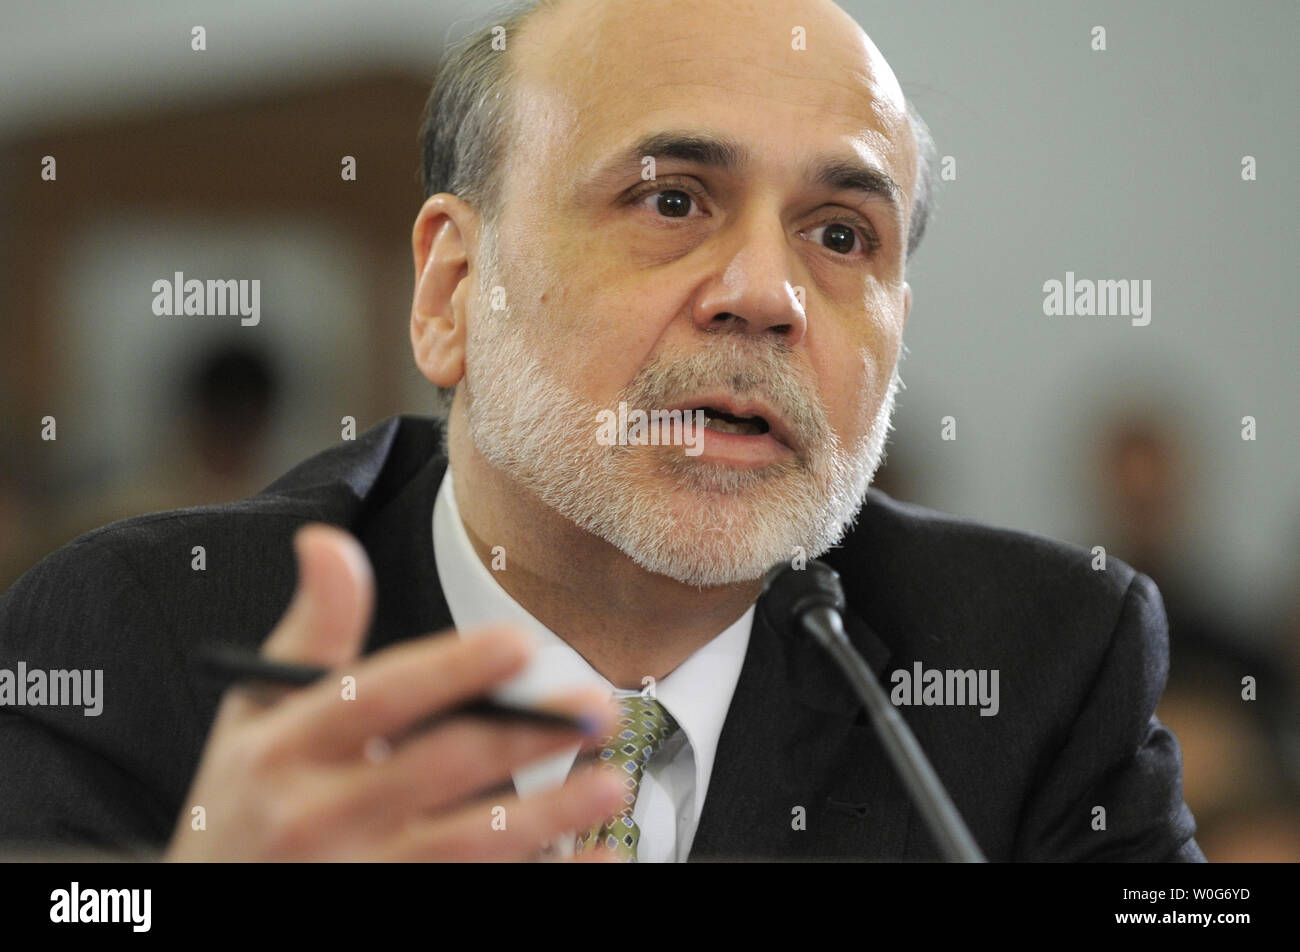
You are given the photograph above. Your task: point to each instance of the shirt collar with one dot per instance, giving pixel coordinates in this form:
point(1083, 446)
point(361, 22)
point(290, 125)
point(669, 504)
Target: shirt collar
point(697, 693)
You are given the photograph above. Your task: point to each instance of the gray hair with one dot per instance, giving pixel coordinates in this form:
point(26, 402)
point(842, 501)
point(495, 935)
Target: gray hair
point(470, 112)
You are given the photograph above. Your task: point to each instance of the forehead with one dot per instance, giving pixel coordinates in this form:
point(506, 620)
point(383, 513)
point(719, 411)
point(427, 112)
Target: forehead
point(592, 77)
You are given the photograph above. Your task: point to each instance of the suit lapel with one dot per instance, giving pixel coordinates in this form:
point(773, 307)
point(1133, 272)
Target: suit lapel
point(399, 540)
point(799, 773)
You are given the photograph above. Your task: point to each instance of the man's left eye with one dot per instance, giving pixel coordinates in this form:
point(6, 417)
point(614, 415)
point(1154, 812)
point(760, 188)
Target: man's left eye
point(838, 237)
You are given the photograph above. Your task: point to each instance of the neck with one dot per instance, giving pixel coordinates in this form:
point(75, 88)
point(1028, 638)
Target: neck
point(626, 622)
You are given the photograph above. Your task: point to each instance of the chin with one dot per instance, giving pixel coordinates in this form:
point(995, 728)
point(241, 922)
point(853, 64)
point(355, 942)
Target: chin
point(709, 539)
point(703, 568)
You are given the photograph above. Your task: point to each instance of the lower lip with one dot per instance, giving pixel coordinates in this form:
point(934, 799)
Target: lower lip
point(747, 451)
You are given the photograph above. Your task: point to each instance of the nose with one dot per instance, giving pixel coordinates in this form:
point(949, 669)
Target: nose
point(751, 292)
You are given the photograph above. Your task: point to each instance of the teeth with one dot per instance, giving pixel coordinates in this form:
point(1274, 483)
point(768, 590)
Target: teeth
point(727, 426)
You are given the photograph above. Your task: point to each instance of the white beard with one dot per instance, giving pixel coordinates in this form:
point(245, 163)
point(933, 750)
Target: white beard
point(699, 523)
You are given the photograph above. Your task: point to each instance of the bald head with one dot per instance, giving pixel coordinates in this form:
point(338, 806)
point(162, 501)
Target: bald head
point(524, 76)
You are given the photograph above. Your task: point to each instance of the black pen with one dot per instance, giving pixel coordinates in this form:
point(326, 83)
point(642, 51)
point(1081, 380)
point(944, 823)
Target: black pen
point(231, 665)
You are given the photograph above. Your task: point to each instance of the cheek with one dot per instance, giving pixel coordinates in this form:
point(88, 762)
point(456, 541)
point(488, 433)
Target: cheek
point(885, 319)
point(612, 315)
point(619, 338)
point(598, 332)
point(850, 394)
point(858, 366)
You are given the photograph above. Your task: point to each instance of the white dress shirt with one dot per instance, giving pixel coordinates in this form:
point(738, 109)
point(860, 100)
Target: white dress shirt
point(697, 693)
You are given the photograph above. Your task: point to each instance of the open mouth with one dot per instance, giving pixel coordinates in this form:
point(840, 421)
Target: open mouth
point(715, 419)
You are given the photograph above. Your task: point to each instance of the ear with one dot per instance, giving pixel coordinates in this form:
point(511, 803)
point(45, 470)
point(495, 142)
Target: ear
point(907, 301)
point(444, 230)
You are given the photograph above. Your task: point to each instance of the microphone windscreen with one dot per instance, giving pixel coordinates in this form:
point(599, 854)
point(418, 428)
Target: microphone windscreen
point(789, 592)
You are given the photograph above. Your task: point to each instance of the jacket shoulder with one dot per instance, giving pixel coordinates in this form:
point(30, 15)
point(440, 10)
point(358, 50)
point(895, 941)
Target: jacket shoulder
point(955, 554)
point(337, 486)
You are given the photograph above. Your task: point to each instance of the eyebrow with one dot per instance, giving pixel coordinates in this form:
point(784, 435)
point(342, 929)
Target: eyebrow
point(728, 155)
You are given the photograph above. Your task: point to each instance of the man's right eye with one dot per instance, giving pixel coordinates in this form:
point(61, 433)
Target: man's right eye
point(668, 200)
point(671, 203)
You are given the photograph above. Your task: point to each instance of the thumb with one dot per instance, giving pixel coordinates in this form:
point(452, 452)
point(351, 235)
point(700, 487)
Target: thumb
point(326, 622)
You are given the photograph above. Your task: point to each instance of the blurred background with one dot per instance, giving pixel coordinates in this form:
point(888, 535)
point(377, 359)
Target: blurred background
point(1117, 164)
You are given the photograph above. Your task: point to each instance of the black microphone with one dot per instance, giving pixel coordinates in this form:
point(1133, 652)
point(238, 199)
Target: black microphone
point(811, 601)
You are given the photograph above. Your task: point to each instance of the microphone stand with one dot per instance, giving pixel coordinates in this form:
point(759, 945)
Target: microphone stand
point(927, 792)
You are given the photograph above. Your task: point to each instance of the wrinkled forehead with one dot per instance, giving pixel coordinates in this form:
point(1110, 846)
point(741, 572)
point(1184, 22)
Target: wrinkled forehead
point(785, 78)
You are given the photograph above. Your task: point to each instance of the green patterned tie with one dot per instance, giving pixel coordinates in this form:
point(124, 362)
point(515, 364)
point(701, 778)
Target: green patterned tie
point(644, 727)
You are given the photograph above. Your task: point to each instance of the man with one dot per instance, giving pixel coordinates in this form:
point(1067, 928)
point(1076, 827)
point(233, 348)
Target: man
point(705, 212)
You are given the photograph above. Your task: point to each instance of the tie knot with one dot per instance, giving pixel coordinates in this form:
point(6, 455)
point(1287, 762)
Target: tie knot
point(644, 726)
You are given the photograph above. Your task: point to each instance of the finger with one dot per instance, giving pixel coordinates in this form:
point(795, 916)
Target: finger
point(597, 855)
point(521, 828)
point(398, 686)
point(326, 620)
point(589, 855)
point(468, 756)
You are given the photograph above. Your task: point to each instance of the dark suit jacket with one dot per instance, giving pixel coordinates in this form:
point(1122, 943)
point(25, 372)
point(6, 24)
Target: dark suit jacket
point(1082, 656)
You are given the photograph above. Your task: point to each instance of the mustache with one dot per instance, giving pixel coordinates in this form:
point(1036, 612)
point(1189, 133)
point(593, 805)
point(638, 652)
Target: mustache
point(742, 367)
